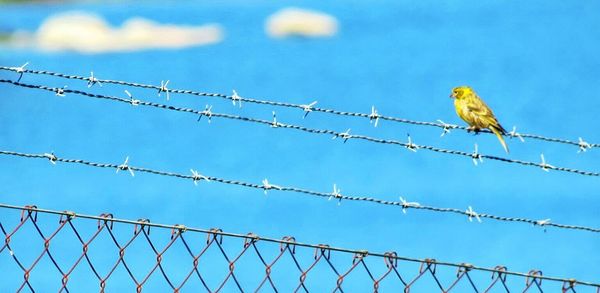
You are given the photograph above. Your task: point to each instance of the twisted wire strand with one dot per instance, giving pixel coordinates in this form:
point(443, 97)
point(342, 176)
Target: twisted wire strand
point(292, 242)
point(275, 124)
point(330, 195)
point(92, 80)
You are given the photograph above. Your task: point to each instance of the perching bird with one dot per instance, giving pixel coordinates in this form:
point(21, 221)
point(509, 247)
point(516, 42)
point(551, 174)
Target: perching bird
point(476, 113)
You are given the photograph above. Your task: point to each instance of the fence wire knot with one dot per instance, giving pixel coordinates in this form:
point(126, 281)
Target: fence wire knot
point(322, 249)
point(410, 145)
point(215, 234)
point(359, 255)
point(93, 80)
point(533, 277)
point(250, 239)
point(177, 230)
point(390, 258)
point(514, 133)
point(207, 112)
point(428, 264)
point(124, 167)
point(374, 116)
point(472, 214)
point(267, 186)
point(132, 101)
point(163, 88)
point(463, 268)
point(180, 228)
point(308, 108)
point(20, 70)
point(143, 223)
point(31, 211)
point(197, 177)
point(406, 204)
point(476, 156)
point(66, 216)
point(106, 219)
point(569, 284)
point(500, 272)
point(545, 166)
point(291, 243)
point(51, 157)
point(583, 146)
point(236, 98)
point(445, 127)
point(343, 135)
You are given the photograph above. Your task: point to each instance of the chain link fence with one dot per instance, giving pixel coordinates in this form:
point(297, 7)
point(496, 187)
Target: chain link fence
point(68, 252)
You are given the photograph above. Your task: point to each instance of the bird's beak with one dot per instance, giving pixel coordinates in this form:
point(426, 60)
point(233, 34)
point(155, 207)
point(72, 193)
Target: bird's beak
point(452, 95)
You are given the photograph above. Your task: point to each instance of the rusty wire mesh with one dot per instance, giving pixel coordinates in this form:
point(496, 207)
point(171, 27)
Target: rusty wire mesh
point(65, 251)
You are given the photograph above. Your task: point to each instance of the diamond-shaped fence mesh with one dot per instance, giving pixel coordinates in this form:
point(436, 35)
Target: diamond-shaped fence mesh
point(65, 251)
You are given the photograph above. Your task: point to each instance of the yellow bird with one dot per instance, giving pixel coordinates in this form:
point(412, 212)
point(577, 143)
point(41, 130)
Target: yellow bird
point(476, 113)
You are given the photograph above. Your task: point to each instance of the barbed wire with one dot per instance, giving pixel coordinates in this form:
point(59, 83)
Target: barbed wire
point(345, 136)
point(267, 186)
point(307, 108)
point(287, 246)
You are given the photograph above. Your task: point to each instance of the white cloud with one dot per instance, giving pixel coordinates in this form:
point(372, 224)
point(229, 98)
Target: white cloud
point(88, 33)
point(301, 22)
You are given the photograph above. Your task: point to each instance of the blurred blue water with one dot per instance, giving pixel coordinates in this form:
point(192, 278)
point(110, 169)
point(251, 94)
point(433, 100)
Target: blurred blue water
point(535, 64)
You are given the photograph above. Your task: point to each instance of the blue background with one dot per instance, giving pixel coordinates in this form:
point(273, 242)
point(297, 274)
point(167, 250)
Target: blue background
point(534, 63)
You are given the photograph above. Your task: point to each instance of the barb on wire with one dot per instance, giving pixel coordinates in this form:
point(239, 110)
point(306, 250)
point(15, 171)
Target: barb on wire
point(235, 97)
point(545, 166)
point(207, 112)
point(20, 70)
point(308, 108)
point(334, 258)
point(446, 127)
point(268, 186)
point(124, 167)
point(472, 214)
point(374, 116)
point(93, 80)
point(406, 204)
point(330, 195)
point(476, 156)
point(132, 101)
point(514, 133)
point(198, 177)
point(410, 145)
point(163, 88)
point(344, 135)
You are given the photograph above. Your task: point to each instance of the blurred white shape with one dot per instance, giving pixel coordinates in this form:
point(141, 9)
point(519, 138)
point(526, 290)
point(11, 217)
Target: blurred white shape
point(89, 33)
point(300, 22)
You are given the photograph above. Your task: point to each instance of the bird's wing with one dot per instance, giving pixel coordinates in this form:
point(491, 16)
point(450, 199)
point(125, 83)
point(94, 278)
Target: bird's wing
point(481, 115)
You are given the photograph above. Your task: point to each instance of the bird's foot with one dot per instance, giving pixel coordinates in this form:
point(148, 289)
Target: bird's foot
point(473, 129)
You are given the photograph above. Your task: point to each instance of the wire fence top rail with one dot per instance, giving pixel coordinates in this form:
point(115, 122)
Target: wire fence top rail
point(475, 155)
point(215, 236)
point(266, 186)
point(307, 108)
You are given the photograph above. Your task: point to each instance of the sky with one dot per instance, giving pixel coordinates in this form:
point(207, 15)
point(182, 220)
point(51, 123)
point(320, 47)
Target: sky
point(535, 64)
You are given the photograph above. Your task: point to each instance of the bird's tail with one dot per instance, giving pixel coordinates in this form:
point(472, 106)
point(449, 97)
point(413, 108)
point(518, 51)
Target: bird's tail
point(498, 131)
